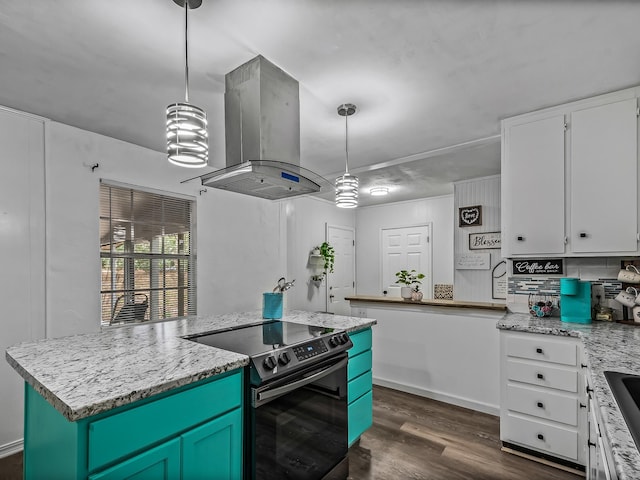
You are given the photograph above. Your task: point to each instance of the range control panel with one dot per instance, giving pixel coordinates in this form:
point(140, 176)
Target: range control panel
point(310, 349)
point(279, 362)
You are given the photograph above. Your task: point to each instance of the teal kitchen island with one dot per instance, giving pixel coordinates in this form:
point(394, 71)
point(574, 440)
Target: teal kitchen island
point(143, 402)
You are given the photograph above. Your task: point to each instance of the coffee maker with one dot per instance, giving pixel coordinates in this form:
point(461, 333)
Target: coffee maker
point(575, 300)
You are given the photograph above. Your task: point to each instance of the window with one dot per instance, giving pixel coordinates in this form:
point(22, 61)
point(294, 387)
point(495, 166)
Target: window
point(147, 254)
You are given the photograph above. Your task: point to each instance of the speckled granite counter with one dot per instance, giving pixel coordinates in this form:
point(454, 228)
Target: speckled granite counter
point(608, 346)
point(83, 375)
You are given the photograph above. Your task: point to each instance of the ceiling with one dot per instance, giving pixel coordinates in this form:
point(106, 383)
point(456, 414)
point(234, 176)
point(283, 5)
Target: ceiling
point(431, 79)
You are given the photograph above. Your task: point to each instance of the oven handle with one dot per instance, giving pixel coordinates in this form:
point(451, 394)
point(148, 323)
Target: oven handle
point(260, 398)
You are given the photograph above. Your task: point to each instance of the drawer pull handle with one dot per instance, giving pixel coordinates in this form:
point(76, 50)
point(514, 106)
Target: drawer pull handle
point(538, 350)
point(582, 405)
point(540, 376)
point(520, 238)
point(583, 235)
point(591, 444)
point(583, 365)
point(540, 405)
point(540, 436)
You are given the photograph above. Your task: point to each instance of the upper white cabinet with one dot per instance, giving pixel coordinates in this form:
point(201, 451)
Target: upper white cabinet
point(533, 185)
point(570, 179)
point(604, 172)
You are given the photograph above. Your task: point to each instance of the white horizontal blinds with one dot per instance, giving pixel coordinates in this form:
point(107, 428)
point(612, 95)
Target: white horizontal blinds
point(147, 256)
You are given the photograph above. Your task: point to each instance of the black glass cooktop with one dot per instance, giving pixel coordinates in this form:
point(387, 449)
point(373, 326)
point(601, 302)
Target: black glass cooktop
point(257, 339)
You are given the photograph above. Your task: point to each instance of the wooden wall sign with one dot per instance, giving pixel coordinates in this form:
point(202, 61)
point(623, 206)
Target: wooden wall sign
point(470, 216)
point(551, 266)
point(480, 241)
point(473, 261)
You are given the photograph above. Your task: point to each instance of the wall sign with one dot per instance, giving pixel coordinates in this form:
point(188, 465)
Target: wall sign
point(470, 216)
point(473, 261)
point(480, 241)
point(499, 281)
point(551, 266)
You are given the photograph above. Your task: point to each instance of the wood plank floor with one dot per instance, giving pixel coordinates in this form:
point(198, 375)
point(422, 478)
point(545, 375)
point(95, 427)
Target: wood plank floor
point(419, 439)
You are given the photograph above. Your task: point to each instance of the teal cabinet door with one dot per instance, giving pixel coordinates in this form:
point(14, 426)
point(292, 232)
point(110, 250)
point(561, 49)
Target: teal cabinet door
point(360, 416)
point(159, 463)
point(214, 450)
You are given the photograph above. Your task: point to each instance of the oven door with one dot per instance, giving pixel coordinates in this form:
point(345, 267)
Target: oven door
point(299, 424)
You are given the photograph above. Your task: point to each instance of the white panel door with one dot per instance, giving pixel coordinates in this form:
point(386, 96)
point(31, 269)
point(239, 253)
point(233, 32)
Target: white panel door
point(341, 283)
point(604, 172)
point(406, 248)
point(533, 213)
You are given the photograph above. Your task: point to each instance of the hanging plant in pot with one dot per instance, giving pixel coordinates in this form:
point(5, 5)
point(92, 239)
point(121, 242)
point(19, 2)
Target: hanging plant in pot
point(407, 278)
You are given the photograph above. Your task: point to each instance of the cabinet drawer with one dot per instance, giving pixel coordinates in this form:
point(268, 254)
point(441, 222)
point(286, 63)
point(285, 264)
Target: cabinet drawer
point(542, 375)
point(543, 404)
point(360, 416)
point(555, 440)
point(119, 435)
point(541, 348)
point(359, 364)
point(361, 342)
point(359, 386)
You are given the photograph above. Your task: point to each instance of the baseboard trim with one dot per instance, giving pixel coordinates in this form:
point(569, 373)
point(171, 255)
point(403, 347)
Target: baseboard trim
point(442, 397)
point(11, 448)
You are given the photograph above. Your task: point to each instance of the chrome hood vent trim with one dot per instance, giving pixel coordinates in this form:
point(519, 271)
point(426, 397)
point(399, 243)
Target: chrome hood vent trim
point(262, 133)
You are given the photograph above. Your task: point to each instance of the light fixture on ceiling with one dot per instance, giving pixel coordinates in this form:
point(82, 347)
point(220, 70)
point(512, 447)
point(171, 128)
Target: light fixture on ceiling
point(346, 185)
point(187, 137)
point(378, 191)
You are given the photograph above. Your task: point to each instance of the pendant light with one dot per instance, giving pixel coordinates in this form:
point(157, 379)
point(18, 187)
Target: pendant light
point(346, 185)
point(187, 137)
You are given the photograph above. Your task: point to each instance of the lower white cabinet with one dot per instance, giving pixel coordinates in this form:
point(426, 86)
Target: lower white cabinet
point(543, 402)
point(600, 464)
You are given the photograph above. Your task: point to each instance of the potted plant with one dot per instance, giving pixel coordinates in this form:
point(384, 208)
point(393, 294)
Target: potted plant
point(416, 294)
point(408, 278)
point(328, 254)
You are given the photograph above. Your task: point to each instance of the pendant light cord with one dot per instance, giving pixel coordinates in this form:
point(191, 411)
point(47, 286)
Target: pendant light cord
point(346, 143)
point(186, 51)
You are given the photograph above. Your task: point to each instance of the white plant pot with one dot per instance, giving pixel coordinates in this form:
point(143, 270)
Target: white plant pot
point(405, 292)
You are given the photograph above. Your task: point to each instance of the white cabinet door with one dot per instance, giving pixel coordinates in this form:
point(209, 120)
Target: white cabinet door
point(604, 172)
point(533, 209)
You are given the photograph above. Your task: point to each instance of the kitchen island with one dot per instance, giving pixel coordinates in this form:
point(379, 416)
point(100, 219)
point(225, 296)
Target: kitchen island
point(607, 347)
point(104, 394)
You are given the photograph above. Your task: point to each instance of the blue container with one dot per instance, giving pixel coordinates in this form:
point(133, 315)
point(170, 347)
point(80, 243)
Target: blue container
point(272, 305)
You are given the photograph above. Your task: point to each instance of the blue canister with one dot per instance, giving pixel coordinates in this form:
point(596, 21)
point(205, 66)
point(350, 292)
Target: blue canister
point(272, 305)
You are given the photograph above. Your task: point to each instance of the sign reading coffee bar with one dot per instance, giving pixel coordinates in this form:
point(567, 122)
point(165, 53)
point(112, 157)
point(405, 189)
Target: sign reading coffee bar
point(552, 266)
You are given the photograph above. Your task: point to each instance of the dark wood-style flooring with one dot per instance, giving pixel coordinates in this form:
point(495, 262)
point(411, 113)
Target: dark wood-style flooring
point(419, 439)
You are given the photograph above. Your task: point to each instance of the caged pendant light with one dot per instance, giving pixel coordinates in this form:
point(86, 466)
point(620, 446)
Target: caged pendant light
point(346, 185)
point(187, 137)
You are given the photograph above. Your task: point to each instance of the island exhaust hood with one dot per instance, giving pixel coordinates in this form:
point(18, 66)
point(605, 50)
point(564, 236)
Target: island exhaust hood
point(262, 133)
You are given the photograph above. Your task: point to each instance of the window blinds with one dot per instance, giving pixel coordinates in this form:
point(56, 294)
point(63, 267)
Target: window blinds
point(147, 255)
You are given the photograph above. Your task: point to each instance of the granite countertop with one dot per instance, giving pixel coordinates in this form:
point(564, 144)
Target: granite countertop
point(608, 346)
point(82, 375)
point(433, 303)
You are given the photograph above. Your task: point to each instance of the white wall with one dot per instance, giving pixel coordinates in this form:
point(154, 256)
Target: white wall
point(475, 285)
point(447, 354)
point(22, 242)
point(238, 237)
point(371, 220)
point(306, 218)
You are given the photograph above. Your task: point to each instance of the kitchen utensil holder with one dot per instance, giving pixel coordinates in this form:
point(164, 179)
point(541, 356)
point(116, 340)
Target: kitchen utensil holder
point(272, 305)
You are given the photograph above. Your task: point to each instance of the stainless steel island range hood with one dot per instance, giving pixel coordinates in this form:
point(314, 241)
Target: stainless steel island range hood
point(262, 133)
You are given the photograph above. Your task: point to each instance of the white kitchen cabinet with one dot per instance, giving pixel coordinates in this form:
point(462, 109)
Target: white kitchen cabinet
point(604, 173)
point(570, 179)
point(543, 404)
point(533, 187)
point(600, 462)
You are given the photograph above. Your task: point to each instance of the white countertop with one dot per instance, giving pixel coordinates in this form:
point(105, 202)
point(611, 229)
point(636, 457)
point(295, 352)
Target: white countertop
point(608, 346)
point(82, 375)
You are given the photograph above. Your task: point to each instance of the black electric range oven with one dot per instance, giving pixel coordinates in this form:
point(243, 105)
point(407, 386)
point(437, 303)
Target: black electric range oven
point(296, 424)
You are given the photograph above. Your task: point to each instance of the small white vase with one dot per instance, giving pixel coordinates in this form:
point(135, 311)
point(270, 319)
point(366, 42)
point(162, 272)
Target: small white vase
point(405, 292)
